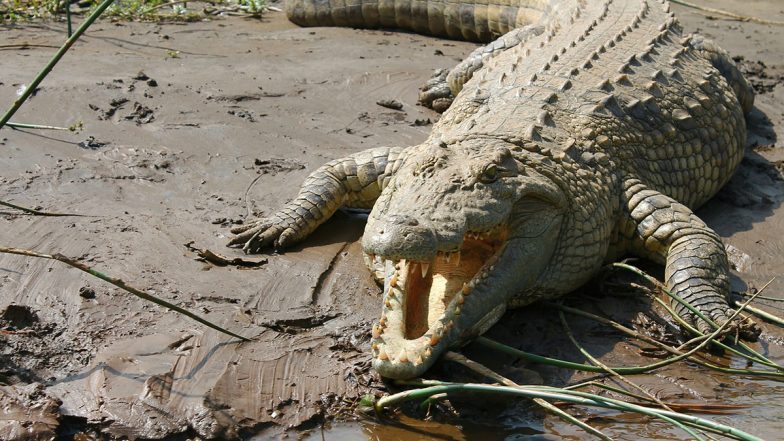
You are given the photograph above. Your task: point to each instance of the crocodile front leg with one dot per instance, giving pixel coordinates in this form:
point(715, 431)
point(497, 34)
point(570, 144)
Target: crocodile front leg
point(442, 88)
point(696, 267)
point(355, 181)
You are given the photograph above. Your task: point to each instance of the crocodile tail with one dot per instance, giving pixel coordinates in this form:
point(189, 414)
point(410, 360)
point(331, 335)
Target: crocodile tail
point(472, 20)
point(723, 62)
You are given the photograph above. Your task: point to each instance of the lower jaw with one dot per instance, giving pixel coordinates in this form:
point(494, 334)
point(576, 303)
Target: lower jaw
point(397, 371)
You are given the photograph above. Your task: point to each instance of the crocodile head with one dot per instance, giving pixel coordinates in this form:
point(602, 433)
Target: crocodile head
point(459, 230)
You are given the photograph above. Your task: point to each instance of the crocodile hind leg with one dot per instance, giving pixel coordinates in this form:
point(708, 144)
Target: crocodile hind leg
point(355, 181)
point(696, 268)
point(442, 88)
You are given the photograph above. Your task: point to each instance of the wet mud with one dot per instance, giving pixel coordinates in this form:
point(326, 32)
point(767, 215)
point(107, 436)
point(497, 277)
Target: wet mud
point(190, 129)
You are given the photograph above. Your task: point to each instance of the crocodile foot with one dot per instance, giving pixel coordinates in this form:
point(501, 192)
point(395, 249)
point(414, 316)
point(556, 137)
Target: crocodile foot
point(278, 230)
point(745, 328)
point(435, 93)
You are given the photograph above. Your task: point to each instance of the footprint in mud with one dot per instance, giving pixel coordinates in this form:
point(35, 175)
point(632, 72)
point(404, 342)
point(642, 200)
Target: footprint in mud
point(17, 317)
point(274, 166)
point(91, 143)
point(141, 114)
point(114, 105)
point(244, 114)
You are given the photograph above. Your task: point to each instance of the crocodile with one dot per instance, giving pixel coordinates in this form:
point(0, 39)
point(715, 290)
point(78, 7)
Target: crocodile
point(587, 131)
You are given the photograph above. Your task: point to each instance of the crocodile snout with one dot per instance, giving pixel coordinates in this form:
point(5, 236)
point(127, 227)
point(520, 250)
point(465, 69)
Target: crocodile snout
point(400, 237)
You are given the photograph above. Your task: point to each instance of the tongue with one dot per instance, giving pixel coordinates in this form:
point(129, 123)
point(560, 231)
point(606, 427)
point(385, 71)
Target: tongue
point(417, 298)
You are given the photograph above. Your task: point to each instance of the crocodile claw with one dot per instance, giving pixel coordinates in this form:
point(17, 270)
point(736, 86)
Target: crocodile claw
point(746, 329)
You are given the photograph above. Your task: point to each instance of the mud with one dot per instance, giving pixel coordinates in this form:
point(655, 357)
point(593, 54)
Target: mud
point(190, 129)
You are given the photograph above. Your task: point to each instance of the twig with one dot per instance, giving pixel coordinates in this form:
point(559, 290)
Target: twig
point(775, 299)
point(49, 66)
point(120, 284)
point(599, 363)
point(622, 370)
point(37, 212)
point(487, 372)
point(15, 125)
point(221, 260)
point(696, 407)
point(25, 46)
point(248, 211)
point(752, 354)
point(727, 13)
point(645, 338)
point(68, 16)
point(569, 396)
point(764, 314)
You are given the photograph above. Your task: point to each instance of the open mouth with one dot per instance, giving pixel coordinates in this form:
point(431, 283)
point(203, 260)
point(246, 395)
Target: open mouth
point(423, 299)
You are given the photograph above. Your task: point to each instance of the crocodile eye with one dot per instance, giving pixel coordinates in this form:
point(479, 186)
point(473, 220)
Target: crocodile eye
point(489, 174)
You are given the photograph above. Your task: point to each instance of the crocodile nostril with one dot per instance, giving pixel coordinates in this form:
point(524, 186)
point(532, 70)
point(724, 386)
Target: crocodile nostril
point(412, 222)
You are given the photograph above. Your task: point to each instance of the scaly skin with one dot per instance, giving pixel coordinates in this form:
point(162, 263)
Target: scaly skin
point(592, 138)
point(472, 21)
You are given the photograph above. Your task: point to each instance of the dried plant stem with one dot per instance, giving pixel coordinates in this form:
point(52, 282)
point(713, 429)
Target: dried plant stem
point(599, 363)
point(632, 333)
point(55, 59)
point(120, 284)
point(763, 314)
point(15, 125)
point(36, 212)
point(622, 370)
point(751, 353)
point(774, 299)
point(569, 396)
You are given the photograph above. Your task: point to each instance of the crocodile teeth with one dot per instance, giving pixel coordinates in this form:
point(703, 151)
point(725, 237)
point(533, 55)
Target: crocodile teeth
point(382, 354)
point(376, 331)
point(434, 339)
point(448, 257)
point(457, 310)
point(393, 281)
point(418, 360)
point(424, 267)
point(466, 289)
point(403, 357)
